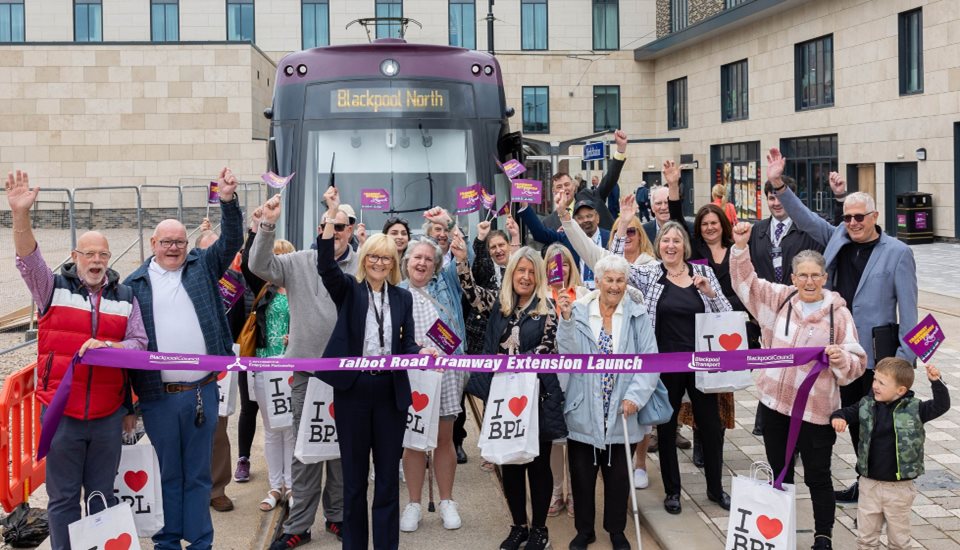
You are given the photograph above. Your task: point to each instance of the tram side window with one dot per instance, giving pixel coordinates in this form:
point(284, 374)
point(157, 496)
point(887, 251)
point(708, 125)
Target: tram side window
point(533, 24)
point(316, 23)
point(389, 8)
point(240, 25)
point(463, 26)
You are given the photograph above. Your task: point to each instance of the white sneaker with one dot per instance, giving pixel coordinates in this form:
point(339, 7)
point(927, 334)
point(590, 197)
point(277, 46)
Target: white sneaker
point(410, 520)
point(450, 515)
point(640, 479)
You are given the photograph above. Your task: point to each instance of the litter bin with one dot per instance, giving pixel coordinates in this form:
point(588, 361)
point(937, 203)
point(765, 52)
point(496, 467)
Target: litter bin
point(915, 217)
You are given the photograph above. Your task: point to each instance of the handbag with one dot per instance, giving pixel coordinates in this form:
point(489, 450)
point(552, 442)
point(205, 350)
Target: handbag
point(423, 414)
point(761, 515)
point(657, 409)
point(248, 334)
point(112, 527)
point(317, 439)
point(510, 432)
point(722, 331)
point(138, 485)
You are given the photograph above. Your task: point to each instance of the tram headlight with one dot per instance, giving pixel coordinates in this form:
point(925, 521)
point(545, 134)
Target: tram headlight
point(475, 69)
point(488, 70)
point(288, 70)
point(302, 70)
point(389, 67)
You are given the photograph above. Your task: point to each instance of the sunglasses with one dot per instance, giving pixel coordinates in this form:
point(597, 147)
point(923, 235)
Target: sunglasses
point(338, 227)
point(847, 218)
point(631, 231)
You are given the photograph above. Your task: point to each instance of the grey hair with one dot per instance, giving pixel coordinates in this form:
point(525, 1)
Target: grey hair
point(810, 256)
point(611, 262)
point(861, 198)
point(428, 225)
point(422, 241)
point(656, 189)
point(673, 226)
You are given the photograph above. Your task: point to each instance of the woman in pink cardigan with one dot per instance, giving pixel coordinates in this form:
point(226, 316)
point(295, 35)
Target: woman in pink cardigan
point(800, 315)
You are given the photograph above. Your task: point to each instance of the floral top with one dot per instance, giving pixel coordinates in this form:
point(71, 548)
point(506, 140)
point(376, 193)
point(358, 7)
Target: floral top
point(605, 343)
point(278, 326)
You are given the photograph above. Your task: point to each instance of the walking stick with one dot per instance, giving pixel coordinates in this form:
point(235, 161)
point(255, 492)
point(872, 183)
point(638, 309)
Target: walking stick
point(633, 489)
point(430, 506)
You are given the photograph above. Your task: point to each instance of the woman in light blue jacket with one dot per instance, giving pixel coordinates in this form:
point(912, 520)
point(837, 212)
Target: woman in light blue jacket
point(611, 319)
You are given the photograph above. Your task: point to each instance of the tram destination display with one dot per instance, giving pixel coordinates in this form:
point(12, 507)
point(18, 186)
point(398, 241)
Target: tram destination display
point(389, 100)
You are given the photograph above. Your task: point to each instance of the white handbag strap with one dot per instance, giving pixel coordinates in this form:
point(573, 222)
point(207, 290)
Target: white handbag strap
point(94, 495)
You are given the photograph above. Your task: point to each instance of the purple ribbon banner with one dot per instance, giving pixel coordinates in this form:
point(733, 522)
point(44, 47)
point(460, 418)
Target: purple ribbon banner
point(709, 361)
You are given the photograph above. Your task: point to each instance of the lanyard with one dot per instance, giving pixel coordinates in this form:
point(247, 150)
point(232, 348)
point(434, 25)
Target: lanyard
point(378, 313)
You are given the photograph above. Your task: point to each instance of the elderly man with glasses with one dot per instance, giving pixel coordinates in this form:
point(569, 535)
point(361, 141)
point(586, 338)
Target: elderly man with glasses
point(84, 307)
point(183, 313)
point(874, 273)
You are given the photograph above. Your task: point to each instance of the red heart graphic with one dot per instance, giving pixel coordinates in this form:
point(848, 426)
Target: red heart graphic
point(517, 404)
point(120, 543)
point(136, 480)
point(730, 342)
point(331, 411)
point(290, 381)
point(222, 375)
point(769, 527)
point(420, 400)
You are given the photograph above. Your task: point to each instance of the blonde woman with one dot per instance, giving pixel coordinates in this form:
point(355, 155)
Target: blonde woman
point(375, 319)
point(637, 247)
point(522, 321)
point(719, 195)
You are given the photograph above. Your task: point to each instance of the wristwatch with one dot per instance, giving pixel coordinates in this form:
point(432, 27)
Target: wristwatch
point(451, 225)
point(268, 226)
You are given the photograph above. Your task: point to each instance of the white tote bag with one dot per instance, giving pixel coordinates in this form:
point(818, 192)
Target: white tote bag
point(423, 415)
point(723, 331)
point(138, 484)
point(227, 383)
point(510, 433)
point(110, 529)
point(273, 391)
point(760, 515)
point(317, 438)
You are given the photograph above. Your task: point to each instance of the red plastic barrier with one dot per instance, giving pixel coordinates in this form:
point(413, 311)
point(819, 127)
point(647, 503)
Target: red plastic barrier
point(19, 434)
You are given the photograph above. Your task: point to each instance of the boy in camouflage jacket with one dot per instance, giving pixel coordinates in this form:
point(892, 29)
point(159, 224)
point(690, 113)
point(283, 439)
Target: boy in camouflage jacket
point(890, 454)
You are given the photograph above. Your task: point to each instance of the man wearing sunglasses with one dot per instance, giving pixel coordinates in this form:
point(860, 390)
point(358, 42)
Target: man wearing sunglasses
point(83, 307)
point(313, 316)
point(874, 273)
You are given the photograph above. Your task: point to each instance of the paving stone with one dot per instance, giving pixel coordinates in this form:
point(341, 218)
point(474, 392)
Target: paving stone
point(930, 511)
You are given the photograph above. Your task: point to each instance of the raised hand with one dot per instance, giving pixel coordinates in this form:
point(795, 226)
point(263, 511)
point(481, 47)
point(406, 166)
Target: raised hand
point(19, 195)
point(628, 209)
point(483, 229)
point(933, 373)
point(565, 304)
point(671, 173)
point(270, 210)
point(775, 164)
point(438, 215)
point(838, 184)
point(620, 137)
point(741, 234)
point(561, 201)
point(361, 233)
point(205, 225)
point(703, 285)
point(458, 248)
point(332, 197)
point(228, 184)
point(256, 218)
point(513, 229)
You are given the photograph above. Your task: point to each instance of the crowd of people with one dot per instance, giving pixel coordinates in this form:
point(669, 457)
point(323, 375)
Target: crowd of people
point(632, 284)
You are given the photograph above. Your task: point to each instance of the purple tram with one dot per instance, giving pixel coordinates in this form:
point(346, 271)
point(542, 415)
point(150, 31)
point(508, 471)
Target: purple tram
point(416, 120)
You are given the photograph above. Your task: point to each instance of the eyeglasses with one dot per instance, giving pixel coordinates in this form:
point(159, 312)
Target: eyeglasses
point(338, 227)
point(105, 255)
point(809, 277)
point(174, 244)
point(374, 259)
point(631, 231)
point(847, 218)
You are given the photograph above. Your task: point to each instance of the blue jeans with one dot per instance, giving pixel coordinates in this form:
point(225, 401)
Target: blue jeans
point(84, 454)
point(184, 451)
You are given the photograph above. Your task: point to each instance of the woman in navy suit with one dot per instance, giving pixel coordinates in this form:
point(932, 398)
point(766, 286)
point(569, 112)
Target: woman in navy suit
point(375, 319)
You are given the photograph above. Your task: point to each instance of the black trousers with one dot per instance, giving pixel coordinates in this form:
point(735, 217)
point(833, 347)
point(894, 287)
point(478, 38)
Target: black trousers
point(816, 447)
point(368, 421)
point(585, 461)
point(515, 477)
point(706, 415)
point(247, 423)
point(853, 393)
point(459, 425)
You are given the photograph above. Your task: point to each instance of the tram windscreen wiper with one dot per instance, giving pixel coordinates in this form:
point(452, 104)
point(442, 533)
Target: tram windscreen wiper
point(427, 141)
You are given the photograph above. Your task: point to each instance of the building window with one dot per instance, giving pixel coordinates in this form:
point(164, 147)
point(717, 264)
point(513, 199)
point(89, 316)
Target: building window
point(87, 21)
point(164, 20)
point(911, 52)
point(536, 110)
point(736, 166)
point(606, 24)
point(814, 73)
point(463, 24)
point(533, 24)
point(315, 19)
point(240, 26)
point(678, 15)
point(606, 108)
point(389, 8)
point(677, 104)
point(735, 3)
point(734, 91)
point(11, 21)
point(810, 160)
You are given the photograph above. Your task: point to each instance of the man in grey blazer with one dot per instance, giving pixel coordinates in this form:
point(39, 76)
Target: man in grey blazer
point(874, 272)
